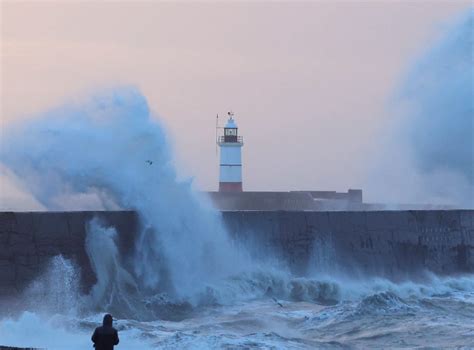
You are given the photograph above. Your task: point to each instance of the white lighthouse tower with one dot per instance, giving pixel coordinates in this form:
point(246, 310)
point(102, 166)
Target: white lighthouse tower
point(230, 167)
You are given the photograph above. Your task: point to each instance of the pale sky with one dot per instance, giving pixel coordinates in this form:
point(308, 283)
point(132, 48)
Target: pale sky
point(308, 82)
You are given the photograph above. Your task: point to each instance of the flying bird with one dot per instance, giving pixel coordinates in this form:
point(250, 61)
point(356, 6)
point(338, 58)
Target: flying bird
point(149, 162)
point(276, 301)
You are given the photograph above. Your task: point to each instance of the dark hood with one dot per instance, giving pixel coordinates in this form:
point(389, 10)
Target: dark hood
point(107, 322)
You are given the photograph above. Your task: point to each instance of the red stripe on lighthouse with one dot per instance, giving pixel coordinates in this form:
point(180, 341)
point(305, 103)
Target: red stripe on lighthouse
point(230, 187)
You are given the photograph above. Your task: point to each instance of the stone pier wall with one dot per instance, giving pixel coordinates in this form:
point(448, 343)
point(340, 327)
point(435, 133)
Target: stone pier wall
point(389, 243)
point(28, 241)
point(394, 244)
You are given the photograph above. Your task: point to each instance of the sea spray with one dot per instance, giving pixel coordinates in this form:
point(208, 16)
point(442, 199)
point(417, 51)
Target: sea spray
point(111, 148)
point(56, 290)
point(115, 287)
point(428, 155)
point(439, 87)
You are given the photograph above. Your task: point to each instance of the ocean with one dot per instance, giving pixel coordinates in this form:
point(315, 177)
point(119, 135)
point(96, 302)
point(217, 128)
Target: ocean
point(301, 313)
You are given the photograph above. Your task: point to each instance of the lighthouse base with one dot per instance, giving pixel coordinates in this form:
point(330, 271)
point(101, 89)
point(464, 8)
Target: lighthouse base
point(230, 186)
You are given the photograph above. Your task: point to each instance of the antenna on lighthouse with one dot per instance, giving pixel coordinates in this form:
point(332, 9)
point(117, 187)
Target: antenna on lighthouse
point(217, 127)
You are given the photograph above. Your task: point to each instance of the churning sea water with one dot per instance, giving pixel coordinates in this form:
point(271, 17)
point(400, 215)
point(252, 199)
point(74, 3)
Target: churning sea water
point(301, 314)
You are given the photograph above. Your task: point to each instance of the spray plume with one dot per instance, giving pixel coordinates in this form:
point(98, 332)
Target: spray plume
point(110, 149)
point(429, 153)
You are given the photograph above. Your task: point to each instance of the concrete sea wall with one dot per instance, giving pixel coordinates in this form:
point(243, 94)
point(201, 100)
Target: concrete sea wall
point(389, 243)
point(394, 244)
point(28, 241)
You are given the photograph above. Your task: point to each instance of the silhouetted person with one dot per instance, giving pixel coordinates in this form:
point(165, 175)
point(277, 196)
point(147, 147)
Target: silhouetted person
point(105, 337)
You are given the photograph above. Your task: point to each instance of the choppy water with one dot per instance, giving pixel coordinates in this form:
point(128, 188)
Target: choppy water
point(329, 314)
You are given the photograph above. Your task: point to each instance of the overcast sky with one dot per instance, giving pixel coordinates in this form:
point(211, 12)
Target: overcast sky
point(308, 82)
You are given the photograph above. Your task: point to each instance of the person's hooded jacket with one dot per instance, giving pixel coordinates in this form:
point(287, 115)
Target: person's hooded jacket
point(106, 336)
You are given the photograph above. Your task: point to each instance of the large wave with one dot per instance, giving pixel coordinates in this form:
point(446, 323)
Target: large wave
point(111, 150)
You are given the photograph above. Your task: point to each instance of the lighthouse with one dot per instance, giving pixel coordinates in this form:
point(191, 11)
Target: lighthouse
point(230, 167)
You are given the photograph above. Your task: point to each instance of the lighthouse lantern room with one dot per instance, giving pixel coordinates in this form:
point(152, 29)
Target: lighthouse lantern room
point(230, 167)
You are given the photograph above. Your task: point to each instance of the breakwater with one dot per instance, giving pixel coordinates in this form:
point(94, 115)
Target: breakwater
point(393, 244)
